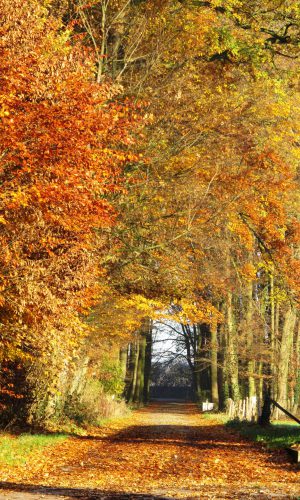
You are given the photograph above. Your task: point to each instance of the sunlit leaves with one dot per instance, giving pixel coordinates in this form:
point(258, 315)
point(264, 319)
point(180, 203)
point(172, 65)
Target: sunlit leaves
point(64, 146)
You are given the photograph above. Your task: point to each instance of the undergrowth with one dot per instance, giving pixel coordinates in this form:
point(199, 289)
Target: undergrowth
point(277, 435)
point(15, 450)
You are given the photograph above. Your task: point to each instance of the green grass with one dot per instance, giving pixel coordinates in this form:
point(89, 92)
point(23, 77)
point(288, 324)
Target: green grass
point(14, 450)
point(221, 417)
point(277, 435)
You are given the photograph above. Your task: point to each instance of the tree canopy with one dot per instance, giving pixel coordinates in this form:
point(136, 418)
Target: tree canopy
point(149, 169)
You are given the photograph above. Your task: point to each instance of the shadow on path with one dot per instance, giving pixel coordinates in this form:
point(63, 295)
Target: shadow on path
point(166, 448)
point(58, 493)
point(203, 438)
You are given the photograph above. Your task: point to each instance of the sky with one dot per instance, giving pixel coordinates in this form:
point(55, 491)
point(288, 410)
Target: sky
point(164, 341)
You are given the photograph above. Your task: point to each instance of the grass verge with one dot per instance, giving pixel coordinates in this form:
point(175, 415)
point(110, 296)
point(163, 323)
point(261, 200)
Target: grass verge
point(14, 450)
point(221, 417)
point(277, 435)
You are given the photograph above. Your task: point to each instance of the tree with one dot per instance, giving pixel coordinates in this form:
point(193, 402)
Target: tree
point(64, 145)
point(198, 212)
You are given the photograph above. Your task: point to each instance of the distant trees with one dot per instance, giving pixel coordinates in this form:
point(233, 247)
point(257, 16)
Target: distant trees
point(218, 226)
point(238, 358)
point(171, 374)
point(171, 380)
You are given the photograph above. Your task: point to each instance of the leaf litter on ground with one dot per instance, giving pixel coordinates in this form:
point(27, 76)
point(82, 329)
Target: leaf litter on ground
point(165, 450)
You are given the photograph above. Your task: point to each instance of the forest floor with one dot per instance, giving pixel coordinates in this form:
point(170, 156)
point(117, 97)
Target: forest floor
point(164, 451)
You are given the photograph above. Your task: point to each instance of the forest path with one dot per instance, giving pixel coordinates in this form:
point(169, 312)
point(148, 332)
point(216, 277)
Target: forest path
point(166, 450)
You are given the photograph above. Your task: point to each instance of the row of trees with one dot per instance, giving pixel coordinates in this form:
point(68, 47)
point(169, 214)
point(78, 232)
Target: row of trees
point(149, 155)
point(64, 144)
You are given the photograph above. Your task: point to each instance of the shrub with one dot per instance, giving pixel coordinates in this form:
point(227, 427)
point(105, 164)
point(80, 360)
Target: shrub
point(93, 405)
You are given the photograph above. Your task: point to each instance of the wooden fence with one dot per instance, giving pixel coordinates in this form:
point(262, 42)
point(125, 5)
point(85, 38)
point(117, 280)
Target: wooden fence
point(244, 409)
point(250, 409)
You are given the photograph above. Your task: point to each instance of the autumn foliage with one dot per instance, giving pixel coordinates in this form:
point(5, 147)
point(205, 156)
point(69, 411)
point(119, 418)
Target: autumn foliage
point(63, 149)
point(104, 224)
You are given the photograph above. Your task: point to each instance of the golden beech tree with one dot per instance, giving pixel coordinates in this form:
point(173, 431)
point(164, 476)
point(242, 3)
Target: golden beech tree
point(222, 142)
point(64, 143)
point(216, 217)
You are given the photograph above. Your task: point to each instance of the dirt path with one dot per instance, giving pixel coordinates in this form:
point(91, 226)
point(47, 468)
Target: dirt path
point(163, 451)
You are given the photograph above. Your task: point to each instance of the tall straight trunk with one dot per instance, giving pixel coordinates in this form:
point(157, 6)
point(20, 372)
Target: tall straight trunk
point(222, 371)
point(190, 357)
point(129, 371)
point(261, 381)
point(264, 418)
point(214, 366)
point(276, 349)
point(297, 372)
point(148, 355)
point(197, 384)
point(123, 360)
point(140, 373)
point(284, 354)
point(249, 333)
point(117, 49)
point(79, 380)
point(103, 48)
point(196, 336)
point(232, 357)
point(275, 413)
point(134, 358)
point(273, 367)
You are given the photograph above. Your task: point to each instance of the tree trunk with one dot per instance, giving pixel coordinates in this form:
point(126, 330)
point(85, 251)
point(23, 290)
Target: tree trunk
point(140, 372)
point(222, 372)
point(264, 419)
point(79, 380)
point(232, 357)
point(190, 357)
point(284, 354)
point(261, 380)
point(196, 336)
point(273, 369)
point(123, 360)
point(297, 372)
point(148, 355)
point(134, 357)
point(249, 333)
point(196, 385)
point(214, 366)
point(117, 49)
